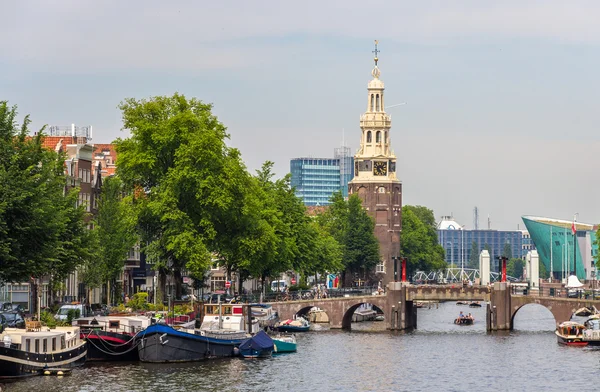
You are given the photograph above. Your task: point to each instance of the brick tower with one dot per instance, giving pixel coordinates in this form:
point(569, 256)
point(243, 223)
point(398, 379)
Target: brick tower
point(375, 179)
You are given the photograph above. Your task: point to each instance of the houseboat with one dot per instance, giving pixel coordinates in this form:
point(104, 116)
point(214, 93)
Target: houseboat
point(223, 329)
point(36, 349)
point(111, 338)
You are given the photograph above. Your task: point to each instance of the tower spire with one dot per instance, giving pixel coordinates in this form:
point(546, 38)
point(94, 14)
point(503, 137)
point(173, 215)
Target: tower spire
point(376, 51)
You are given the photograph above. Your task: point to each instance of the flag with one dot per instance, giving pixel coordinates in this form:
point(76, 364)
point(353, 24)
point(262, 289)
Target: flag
point(573, 228)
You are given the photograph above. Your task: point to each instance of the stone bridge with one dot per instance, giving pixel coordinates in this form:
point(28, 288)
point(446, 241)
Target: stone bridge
point(448, 293)
point(339, 310)
point(400, 313)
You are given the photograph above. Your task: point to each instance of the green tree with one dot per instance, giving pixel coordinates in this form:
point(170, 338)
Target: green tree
point(361, 248)
point(419, 242)
point(507, 251)
point(189, 186)
point(514, 268)
point(114, 232)
point(42, 231)
point(474, 257)
point(544, 274)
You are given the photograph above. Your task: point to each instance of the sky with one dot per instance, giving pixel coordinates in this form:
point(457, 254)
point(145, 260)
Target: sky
point(500, 96)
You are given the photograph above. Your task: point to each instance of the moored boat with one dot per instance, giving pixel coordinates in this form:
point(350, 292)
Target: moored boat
point(264, 314)
point(298, 325)
point(221, 333)
point(31, 351)
point(258, 346)
point(586, 311)
point(163, 343)
point(111, 338)
point(284, 344)
point(571, 333)
point(475, 304)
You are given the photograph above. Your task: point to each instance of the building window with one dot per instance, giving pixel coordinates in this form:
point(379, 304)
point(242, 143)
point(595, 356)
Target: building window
point(378, 137)
point(380, 268)
point(372, 103)
point(368, 136)
point(377, 103)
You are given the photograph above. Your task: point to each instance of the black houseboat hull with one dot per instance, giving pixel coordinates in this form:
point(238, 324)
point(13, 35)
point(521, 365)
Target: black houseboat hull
point(161, 343)
point(110, 346)
point(16, 363)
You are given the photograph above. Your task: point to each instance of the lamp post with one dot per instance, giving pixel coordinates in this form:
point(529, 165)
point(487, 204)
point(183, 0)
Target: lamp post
point(574, 230)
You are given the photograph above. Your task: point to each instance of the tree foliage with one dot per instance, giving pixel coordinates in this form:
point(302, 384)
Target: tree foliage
point(350, 226)
point(189, 185)
point(114, 232)
point(42, 231)
point(514, 268)
point(419, 243)
point(474, 257)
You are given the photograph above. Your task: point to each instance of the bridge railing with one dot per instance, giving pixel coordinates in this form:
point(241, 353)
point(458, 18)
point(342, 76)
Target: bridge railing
point(306, 294)
point(558, 292)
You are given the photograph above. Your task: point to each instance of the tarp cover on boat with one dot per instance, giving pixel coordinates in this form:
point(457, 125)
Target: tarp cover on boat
point(573, 282)
point(260, 341)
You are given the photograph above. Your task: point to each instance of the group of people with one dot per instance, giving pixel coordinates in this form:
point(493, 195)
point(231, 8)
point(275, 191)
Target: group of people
point(462, 316)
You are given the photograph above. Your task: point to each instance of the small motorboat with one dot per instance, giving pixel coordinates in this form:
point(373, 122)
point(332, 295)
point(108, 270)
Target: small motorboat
point(380, 317)
point(475, 304)
point(258, 346)
point(571, 333)
point(464, 320)
point(462, 303)
point(298, 325)
point(284, 344)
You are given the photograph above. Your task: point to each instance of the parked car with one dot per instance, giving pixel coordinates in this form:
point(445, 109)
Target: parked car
point(5, 306)
point(14, 319)
point(63, 312)
point(3, 323)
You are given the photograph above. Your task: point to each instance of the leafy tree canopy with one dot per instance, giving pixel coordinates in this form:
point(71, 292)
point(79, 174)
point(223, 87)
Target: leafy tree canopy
point(419, 243)
point(42, 231)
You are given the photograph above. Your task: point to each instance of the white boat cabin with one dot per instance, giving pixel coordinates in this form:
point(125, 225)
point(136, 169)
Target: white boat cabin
point(43, 340)
point(118, 324)
point(227, 318)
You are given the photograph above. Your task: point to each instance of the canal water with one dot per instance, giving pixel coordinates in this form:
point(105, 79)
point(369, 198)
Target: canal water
point(438, 356)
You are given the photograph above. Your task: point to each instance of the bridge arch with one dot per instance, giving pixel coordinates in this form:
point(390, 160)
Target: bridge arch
point(336, 308)
point(347, 318)
point(519, 308)
point(562, 309)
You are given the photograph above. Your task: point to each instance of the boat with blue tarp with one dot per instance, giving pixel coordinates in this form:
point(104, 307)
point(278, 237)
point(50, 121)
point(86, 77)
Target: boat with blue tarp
point(258, 346)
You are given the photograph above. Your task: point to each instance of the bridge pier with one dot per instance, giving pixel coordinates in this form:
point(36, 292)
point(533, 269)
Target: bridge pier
point(499, 312)
point(402, 312)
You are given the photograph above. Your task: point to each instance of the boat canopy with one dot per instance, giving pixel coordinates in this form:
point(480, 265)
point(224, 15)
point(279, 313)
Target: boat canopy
point(573, 282)
point(260, 341)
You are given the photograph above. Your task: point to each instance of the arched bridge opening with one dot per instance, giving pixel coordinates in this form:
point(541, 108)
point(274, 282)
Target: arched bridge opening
point(534, 317)
point(363, 311)
point(314, 314)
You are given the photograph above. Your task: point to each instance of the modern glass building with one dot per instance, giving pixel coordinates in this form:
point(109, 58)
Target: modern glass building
point(458, 243)
point(316, 179)
point(555, 239)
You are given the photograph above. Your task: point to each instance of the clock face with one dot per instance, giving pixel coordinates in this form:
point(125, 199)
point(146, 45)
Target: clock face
point(380, 168)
